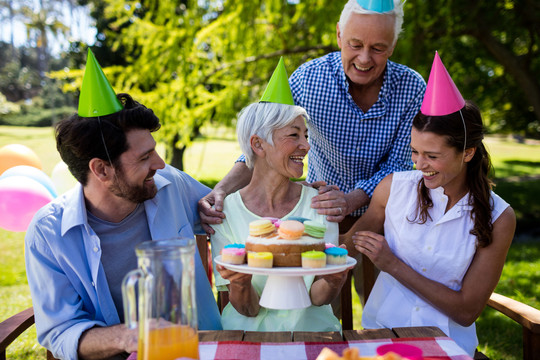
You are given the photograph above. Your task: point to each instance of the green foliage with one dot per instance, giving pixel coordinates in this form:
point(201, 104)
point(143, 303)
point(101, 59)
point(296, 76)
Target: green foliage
point(499, 336)
point(36, 116)
point(196, 62)
point(491, 49)
point(7, 107)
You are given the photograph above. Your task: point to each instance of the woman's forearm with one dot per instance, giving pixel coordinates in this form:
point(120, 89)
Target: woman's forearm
point(244, 299)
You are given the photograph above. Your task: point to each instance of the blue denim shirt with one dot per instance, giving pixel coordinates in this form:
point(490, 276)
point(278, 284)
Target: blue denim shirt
point(69, 289)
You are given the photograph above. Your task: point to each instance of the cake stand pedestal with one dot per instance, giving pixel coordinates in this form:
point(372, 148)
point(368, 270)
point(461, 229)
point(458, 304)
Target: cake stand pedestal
point(285, 288)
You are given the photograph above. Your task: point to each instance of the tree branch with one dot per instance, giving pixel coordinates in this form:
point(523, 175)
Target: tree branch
point(251, 59)
point(521, 74)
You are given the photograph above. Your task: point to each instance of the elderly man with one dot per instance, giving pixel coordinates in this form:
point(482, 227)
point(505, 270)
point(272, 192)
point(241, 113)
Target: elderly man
point(360, 106)
point(80, 246)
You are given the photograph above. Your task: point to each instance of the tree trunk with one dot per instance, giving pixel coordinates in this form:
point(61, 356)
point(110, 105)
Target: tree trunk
point(522, 75)
point(177, 158)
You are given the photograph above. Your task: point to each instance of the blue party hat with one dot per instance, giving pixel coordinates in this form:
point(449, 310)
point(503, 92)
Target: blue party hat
point(380, 6)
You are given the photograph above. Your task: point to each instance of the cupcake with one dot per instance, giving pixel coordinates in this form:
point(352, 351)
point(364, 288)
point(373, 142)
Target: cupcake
point(313, 259)
point(260, 259)
point(336, 255)
point(235, 254)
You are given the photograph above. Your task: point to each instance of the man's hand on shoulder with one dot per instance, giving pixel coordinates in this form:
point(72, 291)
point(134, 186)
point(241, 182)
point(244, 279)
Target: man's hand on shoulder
point(335, 204)
point(211, 209)
point(330, 202)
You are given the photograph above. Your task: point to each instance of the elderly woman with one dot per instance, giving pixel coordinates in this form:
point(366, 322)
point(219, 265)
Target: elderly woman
point(273, 138)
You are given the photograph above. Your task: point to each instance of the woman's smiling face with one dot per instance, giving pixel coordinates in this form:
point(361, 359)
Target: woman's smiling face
point(441, 164)
point(289, 150)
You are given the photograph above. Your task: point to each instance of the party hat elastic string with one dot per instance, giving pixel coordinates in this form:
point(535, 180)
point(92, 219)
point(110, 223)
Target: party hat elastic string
point(106, 149)
point(465, 141)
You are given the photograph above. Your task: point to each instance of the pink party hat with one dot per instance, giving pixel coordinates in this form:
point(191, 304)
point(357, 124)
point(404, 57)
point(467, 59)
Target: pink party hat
point(442, 96)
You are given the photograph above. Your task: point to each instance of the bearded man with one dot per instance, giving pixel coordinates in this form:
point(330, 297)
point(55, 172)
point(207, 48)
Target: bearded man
point(79, 247)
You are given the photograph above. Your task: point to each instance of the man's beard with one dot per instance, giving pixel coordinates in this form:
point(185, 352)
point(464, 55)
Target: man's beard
point(132, 192)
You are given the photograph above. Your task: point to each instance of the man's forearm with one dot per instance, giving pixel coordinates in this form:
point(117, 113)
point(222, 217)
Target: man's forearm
point(237, 178)
point(355, 200)
point(104, 342)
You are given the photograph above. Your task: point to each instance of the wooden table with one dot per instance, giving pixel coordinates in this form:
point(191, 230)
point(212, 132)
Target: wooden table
point(348, 335)
point(299, 345)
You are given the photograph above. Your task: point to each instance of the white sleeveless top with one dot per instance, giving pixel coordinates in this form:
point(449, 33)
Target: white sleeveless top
point(441, 249)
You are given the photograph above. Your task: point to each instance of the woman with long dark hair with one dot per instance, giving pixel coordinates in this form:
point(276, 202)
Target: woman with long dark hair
point(446, 233)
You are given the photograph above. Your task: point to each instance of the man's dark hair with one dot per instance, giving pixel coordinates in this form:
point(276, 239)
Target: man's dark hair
point(79, 139)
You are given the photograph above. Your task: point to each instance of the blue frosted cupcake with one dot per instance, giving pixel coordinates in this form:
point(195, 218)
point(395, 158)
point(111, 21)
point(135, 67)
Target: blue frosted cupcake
point(336, 256)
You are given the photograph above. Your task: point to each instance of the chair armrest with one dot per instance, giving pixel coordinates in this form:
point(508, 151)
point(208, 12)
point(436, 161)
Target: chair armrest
point(523, 314)
point(14, 326)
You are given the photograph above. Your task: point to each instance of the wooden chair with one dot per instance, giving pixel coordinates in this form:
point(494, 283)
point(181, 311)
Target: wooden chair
point(203, 244)
point(11, 328)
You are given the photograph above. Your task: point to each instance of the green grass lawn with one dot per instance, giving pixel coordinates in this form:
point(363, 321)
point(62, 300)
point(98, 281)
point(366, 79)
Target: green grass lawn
point(211, 157)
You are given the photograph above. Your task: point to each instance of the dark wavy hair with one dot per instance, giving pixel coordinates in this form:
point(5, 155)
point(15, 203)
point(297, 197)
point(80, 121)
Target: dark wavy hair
point(79, 139)
point(478, 169)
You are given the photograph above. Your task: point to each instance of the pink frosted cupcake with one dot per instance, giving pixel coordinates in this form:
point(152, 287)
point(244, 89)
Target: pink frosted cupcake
point(233, 255)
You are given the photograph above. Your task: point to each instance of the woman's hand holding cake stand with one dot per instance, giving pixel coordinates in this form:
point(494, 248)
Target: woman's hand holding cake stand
point(241, 293)
point(293, 242)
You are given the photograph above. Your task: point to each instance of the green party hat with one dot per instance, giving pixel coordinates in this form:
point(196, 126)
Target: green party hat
point(97, 96)
point(278, 89)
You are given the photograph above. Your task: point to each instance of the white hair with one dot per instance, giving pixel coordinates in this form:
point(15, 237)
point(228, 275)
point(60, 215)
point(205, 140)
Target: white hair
point(352, 6)
point(262, 119)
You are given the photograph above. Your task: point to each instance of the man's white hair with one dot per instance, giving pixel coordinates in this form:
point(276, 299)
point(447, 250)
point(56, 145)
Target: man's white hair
point(262, 119)
point(352, 6)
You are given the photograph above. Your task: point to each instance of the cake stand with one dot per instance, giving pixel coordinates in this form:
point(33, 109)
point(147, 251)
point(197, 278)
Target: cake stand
point(285, 288)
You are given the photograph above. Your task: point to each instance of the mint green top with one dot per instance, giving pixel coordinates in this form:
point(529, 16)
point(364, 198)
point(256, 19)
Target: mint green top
point(235, 229)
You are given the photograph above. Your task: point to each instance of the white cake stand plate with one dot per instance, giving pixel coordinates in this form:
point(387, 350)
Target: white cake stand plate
point(285, 288)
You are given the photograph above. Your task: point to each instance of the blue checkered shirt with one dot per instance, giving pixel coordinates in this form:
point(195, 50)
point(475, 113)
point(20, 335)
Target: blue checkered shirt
point(350, 148)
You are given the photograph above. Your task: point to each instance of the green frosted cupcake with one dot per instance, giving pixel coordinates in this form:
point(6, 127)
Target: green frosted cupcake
point(313, 259)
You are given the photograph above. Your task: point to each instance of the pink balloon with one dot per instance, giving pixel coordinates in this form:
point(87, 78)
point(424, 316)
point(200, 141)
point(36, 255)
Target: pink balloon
point(20, 198)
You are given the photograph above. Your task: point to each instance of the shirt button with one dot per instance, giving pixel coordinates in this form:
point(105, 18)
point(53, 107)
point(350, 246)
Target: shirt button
point(95, 249)
point(429, 248)
point(424, 269)
point(93, 284)
point(417, 308)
